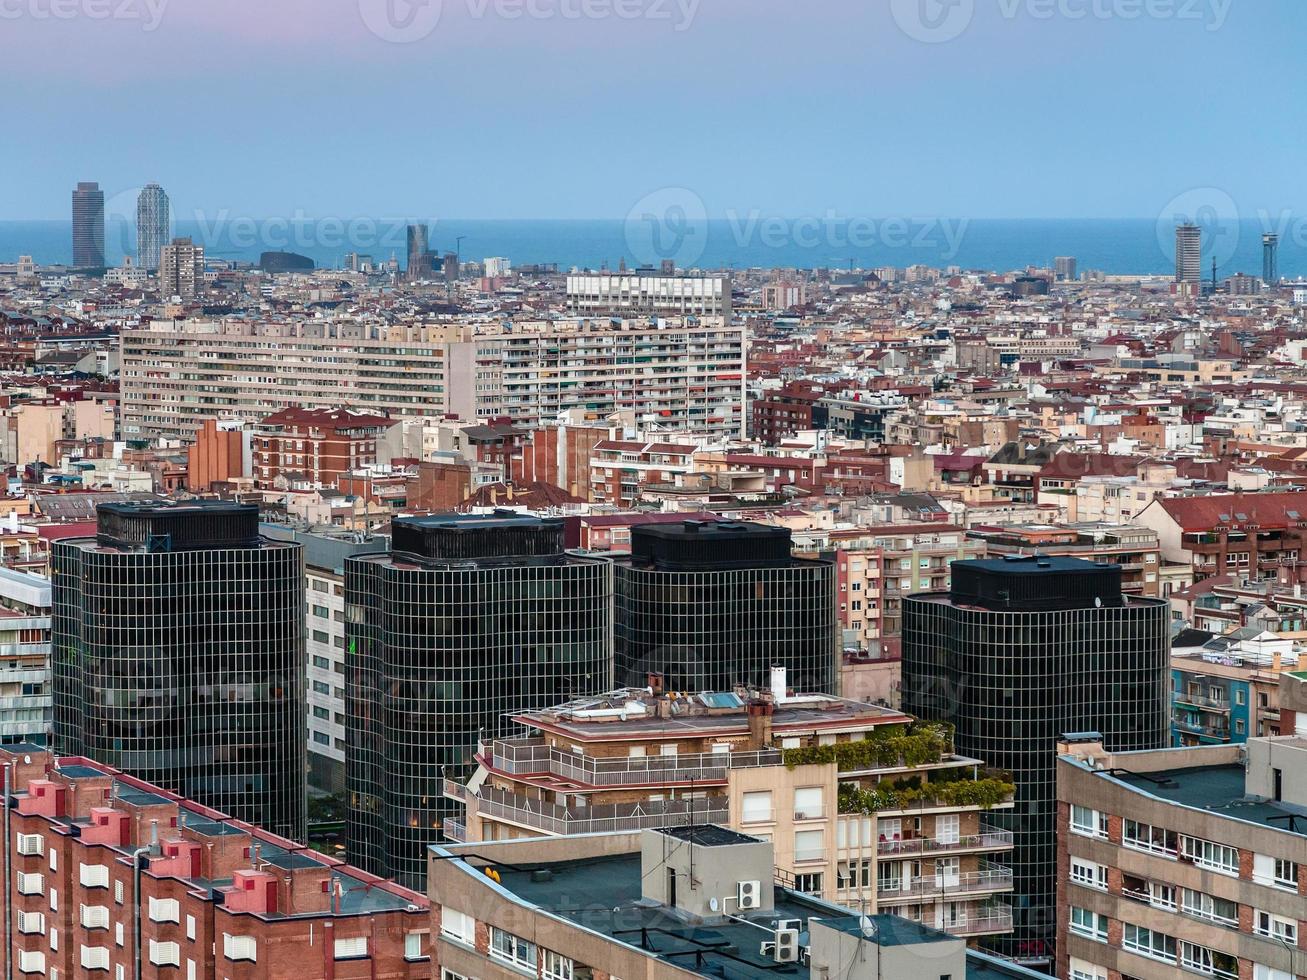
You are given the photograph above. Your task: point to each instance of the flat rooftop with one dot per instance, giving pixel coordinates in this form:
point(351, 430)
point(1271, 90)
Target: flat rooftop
point(604, 895)
point(1215, 789)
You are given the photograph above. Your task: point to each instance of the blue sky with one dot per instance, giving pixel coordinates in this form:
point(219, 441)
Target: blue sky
point(1037, 108)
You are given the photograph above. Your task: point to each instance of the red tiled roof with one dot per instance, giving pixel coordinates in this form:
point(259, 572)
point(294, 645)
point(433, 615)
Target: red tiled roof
point(1266, 510)
point(326, 418)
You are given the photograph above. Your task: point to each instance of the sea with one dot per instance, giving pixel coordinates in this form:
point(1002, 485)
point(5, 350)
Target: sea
point(1115, 246)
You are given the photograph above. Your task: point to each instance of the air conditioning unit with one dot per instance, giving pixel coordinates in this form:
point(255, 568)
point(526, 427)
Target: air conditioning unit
point(787, 945)
point(784, 924)
point(748, 894)
point(766, 950)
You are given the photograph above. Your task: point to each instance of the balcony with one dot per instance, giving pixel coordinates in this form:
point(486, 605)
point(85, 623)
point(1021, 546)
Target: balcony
point(991, 878)
point(532, 757)
point(1202, 701)
point(983, 922)
point(455, 830)
point(551, 819)
point(989, 839)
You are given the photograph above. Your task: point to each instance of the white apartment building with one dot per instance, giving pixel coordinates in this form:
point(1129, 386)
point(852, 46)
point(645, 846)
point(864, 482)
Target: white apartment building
point(632, 292)
point(678, 373)
point(25, 704)
point(178, 373)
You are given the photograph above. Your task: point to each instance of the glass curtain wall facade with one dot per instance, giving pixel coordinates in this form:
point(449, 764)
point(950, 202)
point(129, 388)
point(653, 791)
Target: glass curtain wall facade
point(711, 606)
point(483, 617)
point(178, 639)
point(1028, 656)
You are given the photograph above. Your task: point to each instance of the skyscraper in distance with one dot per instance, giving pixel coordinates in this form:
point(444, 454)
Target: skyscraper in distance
point(1270, 259)
point(178, 656)
point(181, 269)
point(1023, 651)
point(469, 619)
point(1188, 253)
point(88, 226)
point(419, 254)
point(153, 221)
point(1064, 268)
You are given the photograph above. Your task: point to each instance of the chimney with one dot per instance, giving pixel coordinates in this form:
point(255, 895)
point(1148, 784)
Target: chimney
point(778, 684)
point(655, 683)
point(760, 716)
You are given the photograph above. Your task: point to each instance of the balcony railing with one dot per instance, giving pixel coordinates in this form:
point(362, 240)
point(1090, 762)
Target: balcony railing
point(981, 923)
point(553, 819)
point(455, 830)
point(521, 757)
point(991, 878)
point(989, 838)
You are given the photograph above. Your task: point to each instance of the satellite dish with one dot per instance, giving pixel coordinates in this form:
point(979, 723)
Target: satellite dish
point(712, 904)
point(867, 927)
point(27, 760)
point(1098, 602)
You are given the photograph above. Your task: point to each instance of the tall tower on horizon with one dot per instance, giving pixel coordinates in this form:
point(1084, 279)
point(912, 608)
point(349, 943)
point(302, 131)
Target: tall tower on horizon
point(1188, 253)
point(1270, 259)
point(88, 226)
point(419, 256)
point(153, 220)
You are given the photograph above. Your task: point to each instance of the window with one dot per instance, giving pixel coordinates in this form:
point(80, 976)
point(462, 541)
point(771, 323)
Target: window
point(1277, 927)
point(1145, 837)
point(1089, 924)
point(947, 828)
point(54, 899)
point(807, 803)
point(352, 948)
point(757, 807)
point(31, 923)
point(239, 948)
point(556, 966)
point(808, 884)
point(1268, 870)
point(190, 927)
point(95, 916)
point(1087, 822)
point(30, 844)
point(1089, 874)
point(508, 948)
point(94, 876)
point(889, 876)
point(809, 845)
point(456, 925)
point(1207, 854)
point(1204, 906)
point(1148, 943)
point(118, 892)
point(31, 884)
point(1081, 970)
point(413, 942)
point(31, 961)
point(95, 957)
point(1214, 963)
point(164, 910)
point(322, 663)
point(1266, 973)
point(165, 954)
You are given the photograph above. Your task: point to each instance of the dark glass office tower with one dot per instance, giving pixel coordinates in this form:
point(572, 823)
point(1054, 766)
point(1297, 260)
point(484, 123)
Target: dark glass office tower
point(1025, 650)
point(713, 604)
point(88, 226)
point(467, 620)
point(178, 639)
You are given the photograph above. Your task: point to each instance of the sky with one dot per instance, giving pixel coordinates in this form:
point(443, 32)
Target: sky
point(583, 108)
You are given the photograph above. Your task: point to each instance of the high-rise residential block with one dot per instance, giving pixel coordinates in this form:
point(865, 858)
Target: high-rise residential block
point(1021, 651)
point(466, 621)
point(1064, 268)
point(1188, 253)
point(1182, 862)
point(181, 269)
point(178, 640)
point(153, 224)
point(88, 226)
point(25, 703)
point(635, 293)
point(712, 605)
point(1270, 259)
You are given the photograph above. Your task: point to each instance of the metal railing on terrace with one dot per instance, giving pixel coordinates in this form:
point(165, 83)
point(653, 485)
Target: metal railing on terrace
point(990, 878)
point(988, 838)
point(522, 757)
point(554, 819)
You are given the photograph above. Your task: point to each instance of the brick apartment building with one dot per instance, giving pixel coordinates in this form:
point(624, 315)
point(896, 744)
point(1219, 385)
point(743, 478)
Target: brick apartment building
point(113, 877)
point(1250, 535)
point(317, 445)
